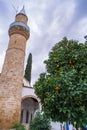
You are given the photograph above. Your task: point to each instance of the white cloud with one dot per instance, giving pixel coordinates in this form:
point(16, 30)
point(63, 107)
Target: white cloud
point(35, 28)
point(83, 26)
point(2, 60)
point(49, 21)
point(1, 32)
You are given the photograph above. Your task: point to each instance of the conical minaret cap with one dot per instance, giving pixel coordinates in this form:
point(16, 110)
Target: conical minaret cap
point(22, 11)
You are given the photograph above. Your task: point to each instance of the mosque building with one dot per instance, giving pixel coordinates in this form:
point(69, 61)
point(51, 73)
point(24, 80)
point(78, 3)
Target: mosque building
point(17, 98)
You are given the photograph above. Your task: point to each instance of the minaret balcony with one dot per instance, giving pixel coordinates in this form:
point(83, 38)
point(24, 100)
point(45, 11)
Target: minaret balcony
point(20, 28)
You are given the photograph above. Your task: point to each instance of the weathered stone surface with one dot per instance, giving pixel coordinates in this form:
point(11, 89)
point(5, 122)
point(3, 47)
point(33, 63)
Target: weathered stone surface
point(11, 79)
point(21, 18)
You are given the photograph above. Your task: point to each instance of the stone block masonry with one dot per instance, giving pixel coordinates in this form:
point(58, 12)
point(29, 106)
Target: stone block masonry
point(11, 79)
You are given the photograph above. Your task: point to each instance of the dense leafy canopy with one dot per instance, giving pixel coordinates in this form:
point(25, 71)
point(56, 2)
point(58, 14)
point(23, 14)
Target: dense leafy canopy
point(28, 68)
point(63, 88)
point(40, 122)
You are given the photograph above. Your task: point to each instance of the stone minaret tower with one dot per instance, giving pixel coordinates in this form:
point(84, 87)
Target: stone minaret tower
point(11, 79)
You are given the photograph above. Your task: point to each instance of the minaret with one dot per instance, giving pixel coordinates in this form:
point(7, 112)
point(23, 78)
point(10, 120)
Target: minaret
point(11, 79)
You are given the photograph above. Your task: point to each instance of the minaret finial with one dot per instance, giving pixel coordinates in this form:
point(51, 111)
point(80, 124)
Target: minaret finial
point(23, 11)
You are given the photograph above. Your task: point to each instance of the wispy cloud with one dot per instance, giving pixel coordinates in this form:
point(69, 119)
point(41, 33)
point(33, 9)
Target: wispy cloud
point(49, 22)
point(2, 56)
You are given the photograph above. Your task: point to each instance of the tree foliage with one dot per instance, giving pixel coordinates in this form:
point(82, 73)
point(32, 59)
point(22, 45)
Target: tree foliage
point(18, 126)
point(28, 68)
point(40, 122)
point(63, 88)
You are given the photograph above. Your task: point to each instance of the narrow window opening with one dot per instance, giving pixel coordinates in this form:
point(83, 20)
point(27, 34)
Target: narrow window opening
point(21, 116)
point(31, 116)
point(27, 116)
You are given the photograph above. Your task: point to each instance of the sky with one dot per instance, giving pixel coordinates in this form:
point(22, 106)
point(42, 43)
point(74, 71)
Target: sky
point(49, 21)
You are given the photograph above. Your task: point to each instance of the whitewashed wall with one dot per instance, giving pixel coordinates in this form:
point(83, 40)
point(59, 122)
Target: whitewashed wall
point(28, 91)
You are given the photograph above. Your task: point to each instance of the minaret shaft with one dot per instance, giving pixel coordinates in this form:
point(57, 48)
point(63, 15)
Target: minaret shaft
point(11, 79)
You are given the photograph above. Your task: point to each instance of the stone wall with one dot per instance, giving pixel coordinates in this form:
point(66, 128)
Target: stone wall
point(11, 79)
point(11, 82)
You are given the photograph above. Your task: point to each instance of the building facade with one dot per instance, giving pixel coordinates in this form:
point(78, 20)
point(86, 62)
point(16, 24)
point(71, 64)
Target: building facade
point(29, 103)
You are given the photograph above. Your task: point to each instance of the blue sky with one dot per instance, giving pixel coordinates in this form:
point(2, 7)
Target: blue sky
point(49, 22)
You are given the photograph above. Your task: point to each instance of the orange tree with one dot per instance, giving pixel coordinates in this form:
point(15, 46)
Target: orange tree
point(63, 87)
